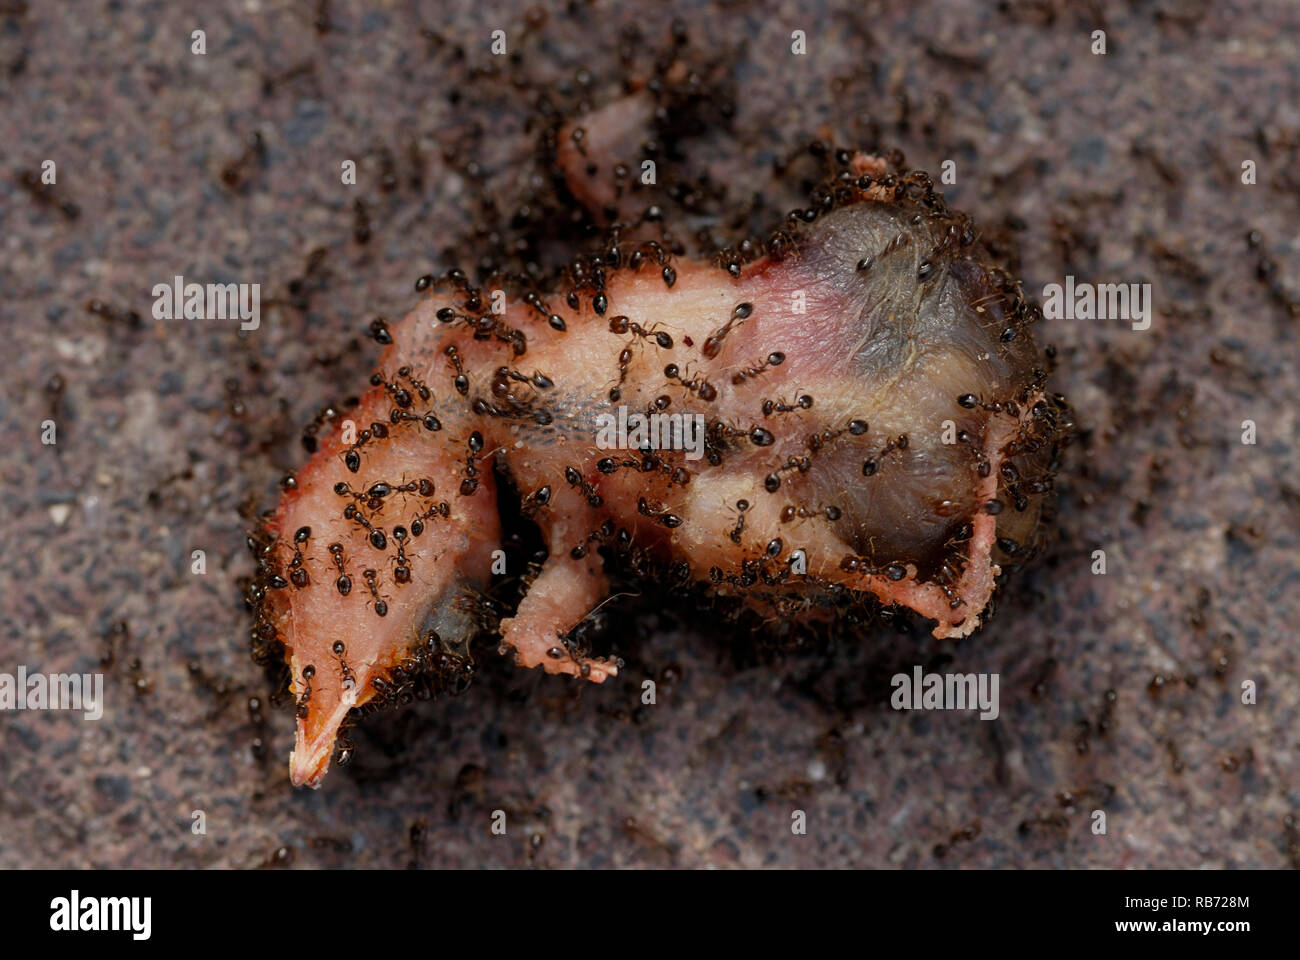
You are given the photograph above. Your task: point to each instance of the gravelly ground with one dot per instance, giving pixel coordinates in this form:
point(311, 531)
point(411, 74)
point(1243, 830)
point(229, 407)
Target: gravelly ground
point(1116, 168)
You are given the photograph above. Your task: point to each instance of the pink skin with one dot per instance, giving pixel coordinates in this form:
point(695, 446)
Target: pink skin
point(793, 309)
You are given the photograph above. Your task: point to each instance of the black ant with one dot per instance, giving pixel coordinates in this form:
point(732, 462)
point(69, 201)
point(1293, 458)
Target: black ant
point(307, 673)
point(669, 520)
point(236, 173)
point(501, 382)
point(535, 500)
point(453, 355)
point(424, 487)
point(790, 512)
point(349, 679)
point(420, 386)
point(470, 483)
point(360, 222)
point(818, 440)
point(804, 402)
point(608, 465)
point(401, 396)
point(327, 413)
point(701, 388)
point(621, 325)
point(713, 345)
point(352, 457)
point(554, 319)
point(298, 573)
point(112, 314)
point(344, 582)
point(314, 278)
point(484, 325)
point(624, 360)
point(441, 509)
point(661, 257)
point(772, 482)
point(47, 194)
point(402, 574)
point(872, 464)
point(774, 359)
point(381, 606)
point(576, 479)
point(377, 538)
point(371, 499)
point(387, 170)
point(398, 415)
point(742, 506)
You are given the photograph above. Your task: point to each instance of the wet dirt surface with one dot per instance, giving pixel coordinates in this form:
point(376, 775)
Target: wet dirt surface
point(1120, 692)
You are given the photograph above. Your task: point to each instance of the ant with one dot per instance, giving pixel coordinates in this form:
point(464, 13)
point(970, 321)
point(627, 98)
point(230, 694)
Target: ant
point(326, 413)
point(349, 679)
point(774, 359)
point(381, 606)
point(401, 396)
point(298, 573)
point(701, 388)
point(236, 173)
point(402, 574)
point(772, 482)
point(420, 386)
point(424, 487)
point(453, 355)
point(532, 299)
point(601, 535)
point(112, 314)
point(371, 499)
point(537, 499)
point(872, 464)
point(790, 512)
point(576, 479)
point(856, 428)
point(742, 506)
point(608, 465)
point(804, 402)
point(46, 194)
point(344, 582)
point(313, 271)
point(441, 509)
point(352, 458)
point(669, 520)
point(624, 360)
point(377, 538)
point(470, 483)
point(661, 257)
point(308, 672)
point(713, 345)
point(621, 325)
point(500, 386)
point(360, 223)
point(387, 170)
